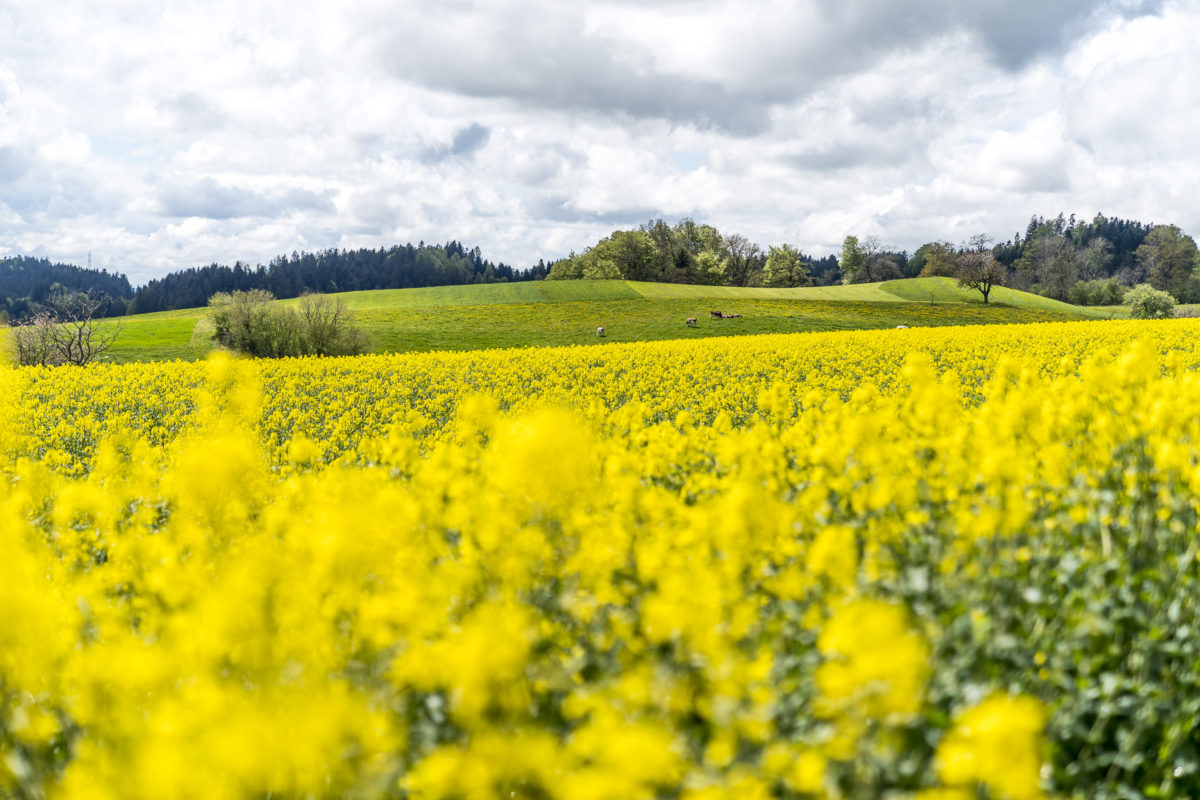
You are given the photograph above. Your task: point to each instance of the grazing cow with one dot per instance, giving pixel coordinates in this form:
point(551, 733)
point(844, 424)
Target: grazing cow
point(716, 315)
point(600, 331)
point(691, 322)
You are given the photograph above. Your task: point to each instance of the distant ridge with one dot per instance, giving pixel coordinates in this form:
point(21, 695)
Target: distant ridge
point(25, 280)
point(398, 267)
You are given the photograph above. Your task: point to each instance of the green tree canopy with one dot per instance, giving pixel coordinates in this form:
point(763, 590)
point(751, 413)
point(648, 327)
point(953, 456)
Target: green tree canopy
point(744, 261)
point(785, 267)
point(852, 260)
point(1146, 302)
point(684, 253)
point(1169, 257)
point(935, 259)
point(868, 261)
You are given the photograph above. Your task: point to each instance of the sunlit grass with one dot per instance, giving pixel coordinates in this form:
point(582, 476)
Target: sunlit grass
point(569, 312)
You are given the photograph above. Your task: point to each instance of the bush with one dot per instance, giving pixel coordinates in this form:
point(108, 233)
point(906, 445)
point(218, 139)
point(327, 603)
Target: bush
point(1106, 292)
point(249, 322)
point(327, 327)
point(1146, 302)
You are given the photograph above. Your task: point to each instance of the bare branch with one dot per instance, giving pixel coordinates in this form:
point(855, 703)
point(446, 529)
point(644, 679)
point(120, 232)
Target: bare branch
point(64, 332)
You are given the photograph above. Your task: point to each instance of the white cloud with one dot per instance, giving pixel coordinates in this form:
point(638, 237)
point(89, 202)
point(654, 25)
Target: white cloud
point(163, 137)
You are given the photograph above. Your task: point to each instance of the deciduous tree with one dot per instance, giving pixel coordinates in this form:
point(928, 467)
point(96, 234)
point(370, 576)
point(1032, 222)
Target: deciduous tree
point(1097, 258)
point(785, 267)
point(65, 331)
point(1051, 263)
point(936, 259)
point(744, 260)
point(1169, 257)
point(868, 261)
point(852, 261)
point(978, 268)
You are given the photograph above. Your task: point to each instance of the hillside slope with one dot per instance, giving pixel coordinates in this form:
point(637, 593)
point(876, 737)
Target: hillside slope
point(569, 312)
point(916, 290)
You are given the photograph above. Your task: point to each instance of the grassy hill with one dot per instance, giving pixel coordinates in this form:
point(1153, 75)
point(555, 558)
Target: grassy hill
point(926, 290)
point(568, 312)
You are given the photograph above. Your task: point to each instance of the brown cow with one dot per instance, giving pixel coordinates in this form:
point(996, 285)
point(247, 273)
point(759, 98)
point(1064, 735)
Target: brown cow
point(716, 315)
point(691, 322)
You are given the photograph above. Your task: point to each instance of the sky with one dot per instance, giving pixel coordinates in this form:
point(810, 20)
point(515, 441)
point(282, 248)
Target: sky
point(161, 136)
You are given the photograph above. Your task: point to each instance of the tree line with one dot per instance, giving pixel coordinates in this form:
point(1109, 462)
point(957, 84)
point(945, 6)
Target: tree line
point(329, 271)
point(1083, 262)
point(28, 284)
point(690, 252)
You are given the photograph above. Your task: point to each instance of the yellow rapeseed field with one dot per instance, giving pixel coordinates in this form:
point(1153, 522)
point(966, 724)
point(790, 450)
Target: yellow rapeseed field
point(928, 564)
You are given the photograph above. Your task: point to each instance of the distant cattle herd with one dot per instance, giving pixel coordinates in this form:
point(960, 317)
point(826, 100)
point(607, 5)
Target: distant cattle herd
point(691, 322)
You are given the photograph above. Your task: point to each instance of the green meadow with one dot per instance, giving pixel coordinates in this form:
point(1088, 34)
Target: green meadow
point(569, 312)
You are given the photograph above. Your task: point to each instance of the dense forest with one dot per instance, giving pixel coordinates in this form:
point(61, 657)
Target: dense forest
point(400, 267)
point(25, 282)
point(1090, 262)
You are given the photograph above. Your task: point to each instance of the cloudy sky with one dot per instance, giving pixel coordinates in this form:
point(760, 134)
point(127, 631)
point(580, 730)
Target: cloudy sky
point(158, 136)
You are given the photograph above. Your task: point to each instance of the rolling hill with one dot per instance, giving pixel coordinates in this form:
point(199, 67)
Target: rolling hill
point(568, 312)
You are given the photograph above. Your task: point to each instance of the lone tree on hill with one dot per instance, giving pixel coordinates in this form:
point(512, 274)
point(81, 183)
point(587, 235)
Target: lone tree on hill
point(978, 268)
point(64, 331)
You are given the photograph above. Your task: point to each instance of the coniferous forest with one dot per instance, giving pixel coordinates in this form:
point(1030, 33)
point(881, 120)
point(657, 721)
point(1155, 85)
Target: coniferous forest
point(25, 282)
point(401, 267)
